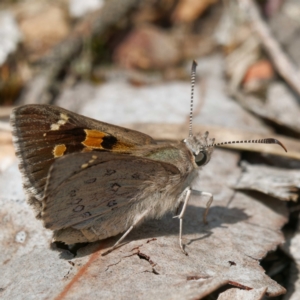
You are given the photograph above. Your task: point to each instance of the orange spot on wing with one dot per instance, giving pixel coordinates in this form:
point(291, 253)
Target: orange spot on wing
point(100, 140)
point(94, 139)
point(59, 150)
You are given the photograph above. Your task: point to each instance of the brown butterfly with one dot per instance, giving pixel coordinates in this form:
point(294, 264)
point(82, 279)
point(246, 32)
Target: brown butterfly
point(89, 180)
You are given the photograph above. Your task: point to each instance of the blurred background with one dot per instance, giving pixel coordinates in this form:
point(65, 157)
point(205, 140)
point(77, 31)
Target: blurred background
point(128, 62)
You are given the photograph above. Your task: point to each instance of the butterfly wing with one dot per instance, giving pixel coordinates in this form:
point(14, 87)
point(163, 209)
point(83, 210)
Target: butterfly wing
point(43, 133)
point(86, 186)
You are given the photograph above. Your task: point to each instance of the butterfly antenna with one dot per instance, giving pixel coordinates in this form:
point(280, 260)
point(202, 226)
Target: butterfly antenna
point(193, 77)
point(260, 141)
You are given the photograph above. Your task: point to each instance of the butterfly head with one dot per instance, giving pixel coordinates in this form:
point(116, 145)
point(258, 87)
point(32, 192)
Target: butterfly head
point(201, 146)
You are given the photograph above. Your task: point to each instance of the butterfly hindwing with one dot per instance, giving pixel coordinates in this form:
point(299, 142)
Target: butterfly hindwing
point(84, 186)
point(43, 133)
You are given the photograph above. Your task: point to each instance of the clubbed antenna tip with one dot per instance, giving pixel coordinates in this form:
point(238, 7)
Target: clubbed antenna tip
point(260, 141)
point(194, 66)
point(274, 141)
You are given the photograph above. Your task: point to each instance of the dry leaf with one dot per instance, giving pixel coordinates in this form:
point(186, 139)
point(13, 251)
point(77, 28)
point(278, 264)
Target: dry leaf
point(283, 184)
point(280, 106)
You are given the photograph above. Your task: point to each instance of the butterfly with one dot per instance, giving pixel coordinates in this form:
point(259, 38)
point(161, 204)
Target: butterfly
point(88, 180)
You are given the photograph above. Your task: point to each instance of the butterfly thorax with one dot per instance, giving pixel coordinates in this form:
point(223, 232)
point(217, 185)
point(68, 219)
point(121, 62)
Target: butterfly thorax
point(173, 153)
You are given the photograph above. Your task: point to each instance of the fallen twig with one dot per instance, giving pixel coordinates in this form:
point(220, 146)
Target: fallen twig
point(282, 63)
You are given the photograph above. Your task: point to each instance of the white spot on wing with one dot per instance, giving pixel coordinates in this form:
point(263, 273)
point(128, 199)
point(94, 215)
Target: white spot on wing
point(54, 127)
point(64, 117)
point(62, 121)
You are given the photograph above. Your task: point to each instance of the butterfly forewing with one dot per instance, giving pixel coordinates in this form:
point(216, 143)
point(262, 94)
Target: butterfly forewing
point(88, 185)
point(43, 133)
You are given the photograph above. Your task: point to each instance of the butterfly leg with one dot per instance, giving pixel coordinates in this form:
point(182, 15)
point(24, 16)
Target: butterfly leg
point(208, 204)
point(187, 194)
point(137, 220)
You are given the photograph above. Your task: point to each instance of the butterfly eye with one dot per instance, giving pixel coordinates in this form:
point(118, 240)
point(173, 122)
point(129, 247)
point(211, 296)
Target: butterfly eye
point(201, 159)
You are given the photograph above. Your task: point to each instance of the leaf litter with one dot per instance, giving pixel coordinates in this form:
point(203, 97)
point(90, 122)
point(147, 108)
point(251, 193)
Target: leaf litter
point(243, 226)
